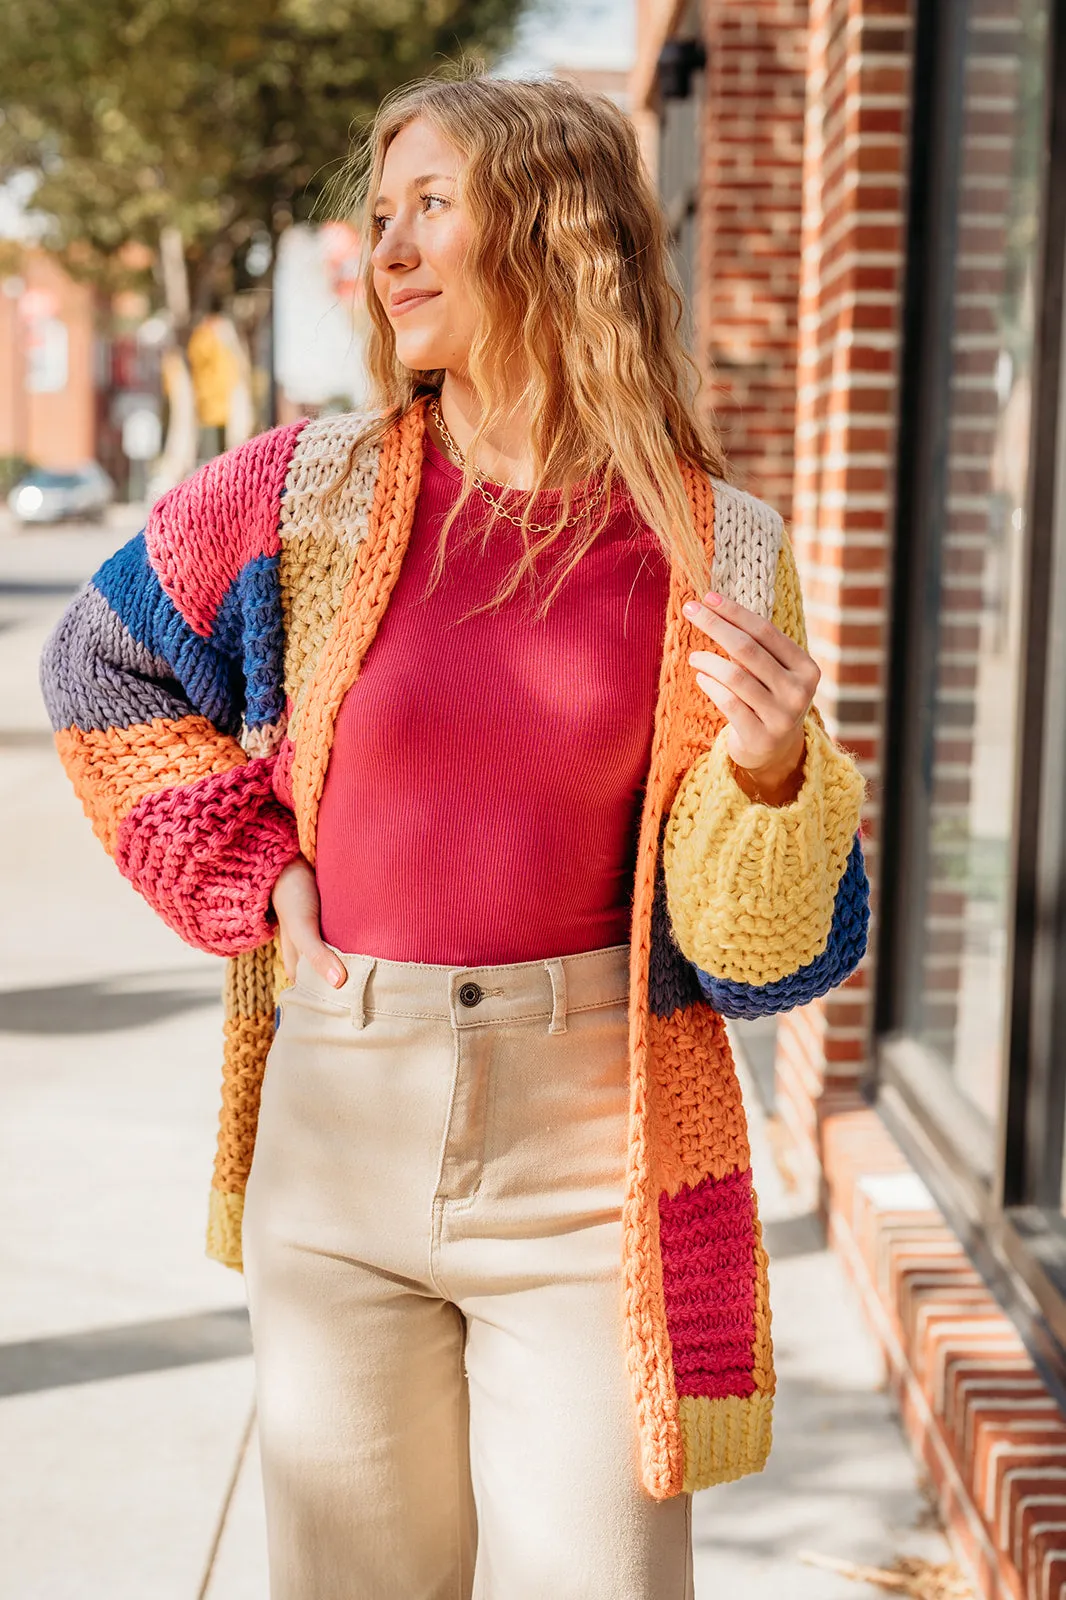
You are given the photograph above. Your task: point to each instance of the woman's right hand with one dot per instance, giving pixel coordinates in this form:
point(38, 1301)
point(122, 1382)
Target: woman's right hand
point(296, 906)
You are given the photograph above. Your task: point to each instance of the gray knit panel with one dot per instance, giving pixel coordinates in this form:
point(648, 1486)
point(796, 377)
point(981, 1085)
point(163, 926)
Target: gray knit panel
point(94, 674)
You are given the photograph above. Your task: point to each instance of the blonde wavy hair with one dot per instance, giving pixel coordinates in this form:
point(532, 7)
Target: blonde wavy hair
point(571, 258)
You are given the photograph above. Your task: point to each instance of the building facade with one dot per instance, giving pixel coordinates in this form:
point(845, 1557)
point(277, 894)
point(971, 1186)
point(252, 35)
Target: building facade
point(47, 405)
point(868, 205)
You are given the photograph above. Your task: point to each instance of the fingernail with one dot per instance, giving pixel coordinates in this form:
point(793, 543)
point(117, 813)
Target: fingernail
point(713, 598)
point(690, 608)
point(335, 976)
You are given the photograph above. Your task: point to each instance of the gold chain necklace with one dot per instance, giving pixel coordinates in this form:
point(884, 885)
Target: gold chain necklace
point(479, 483)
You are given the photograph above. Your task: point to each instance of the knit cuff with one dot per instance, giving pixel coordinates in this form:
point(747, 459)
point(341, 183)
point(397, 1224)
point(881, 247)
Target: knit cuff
point(206, 856)
point(751, 887)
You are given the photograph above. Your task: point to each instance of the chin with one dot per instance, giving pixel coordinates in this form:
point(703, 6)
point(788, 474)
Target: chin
point(420, 356)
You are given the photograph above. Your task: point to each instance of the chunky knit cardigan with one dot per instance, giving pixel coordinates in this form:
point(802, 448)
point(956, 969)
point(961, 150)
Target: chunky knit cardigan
point(193, 684)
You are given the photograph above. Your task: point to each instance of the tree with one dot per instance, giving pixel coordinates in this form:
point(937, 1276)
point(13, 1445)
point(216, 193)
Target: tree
point(214, 125)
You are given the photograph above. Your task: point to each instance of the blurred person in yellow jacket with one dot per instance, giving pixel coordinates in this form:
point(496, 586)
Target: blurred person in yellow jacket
point(220, 383)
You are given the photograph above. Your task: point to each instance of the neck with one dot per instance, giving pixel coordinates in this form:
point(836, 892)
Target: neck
point(503, 456)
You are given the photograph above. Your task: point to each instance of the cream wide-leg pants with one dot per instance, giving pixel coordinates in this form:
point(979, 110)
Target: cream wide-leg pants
point(432, 1245)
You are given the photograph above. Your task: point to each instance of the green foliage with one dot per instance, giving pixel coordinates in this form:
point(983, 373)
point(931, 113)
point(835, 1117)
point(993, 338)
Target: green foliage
point(12, 468)
point(223, 120)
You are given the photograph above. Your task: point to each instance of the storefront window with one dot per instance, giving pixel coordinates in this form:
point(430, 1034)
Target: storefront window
point(954, 1002)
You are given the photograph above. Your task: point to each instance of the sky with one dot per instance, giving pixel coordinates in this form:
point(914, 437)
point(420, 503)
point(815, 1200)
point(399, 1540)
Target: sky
point(572, 33)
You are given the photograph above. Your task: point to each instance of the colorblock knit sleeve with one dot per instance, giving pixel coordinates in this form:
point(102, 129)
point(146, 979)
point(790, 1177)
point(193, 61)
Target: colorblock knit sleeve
point(770, 904)
point(161, 677)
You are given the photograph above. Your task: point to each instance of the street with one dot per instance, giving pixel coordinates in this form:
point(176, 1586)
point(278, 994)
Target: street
point(127, 1453)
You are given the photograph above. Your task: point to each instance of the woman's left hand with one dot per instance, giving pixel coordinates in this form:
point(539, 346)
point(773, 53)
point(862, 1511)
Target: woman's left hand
point(763, 685)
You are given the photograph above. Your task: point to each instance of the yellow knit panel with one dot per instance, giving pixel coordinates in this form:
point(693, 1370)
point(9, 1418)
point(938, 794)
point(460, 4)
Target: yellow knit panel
point(750, 887)
point(788, 599)
point(724, 1439)
point(224, 1228)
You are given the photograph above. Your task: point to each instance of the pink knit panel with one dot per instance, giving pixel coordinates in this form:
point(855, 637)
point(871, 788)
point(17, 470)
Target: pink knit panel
point(207, 855)
point(283, 773)
point(707, 1239)
point(202, 532)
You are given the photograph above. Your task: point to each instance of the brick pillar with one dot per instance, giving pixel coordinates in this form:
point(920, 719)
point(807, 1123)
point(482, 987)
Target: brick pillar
point(748, 253)
point(854, 180)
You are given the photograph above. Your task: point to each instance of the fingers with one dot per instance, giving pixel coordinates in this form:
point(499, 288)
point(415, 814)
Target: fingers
point(296, 906)
point(761, 682)
point(742, 647)
point(726, 621)
point(780, 705)
point(325, 961)
point(304, 940)
point(749, 727)
point(741, 686)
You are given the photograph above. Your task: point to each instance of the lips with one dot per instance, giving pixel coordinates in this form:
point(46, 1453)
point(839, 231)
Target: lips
point(411, 300)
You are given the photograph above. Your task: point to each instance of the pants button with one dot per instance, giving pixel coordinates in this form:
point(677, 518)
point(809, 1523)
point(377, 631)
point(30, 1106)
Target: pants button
point(471, 994)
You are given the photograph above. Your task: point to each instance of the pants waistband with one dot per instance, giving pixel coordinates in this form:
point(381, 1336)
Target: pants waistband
point(468, 997)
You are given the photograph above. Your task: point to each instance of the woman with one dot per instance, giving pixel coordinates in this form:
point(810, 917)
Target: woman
point(432, 721)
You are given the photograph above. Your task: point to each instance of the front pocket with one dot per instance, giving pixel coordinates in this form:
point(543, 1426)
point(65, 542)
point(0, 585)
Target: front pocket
point(311, 1000)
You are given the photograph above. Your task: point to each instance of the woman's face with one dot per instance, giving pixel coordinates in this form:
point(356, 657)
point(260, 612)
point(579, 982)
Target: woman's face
point(423, 236)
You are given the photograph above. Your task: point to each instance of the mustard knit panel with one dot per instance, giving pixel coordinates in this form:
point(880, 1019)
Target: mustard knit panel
point(724, 1439)
point(318, 542)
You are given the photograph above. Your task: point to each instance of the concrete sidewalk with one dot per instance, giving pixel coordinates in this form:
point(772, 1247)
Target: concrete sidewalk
point(128, 1466)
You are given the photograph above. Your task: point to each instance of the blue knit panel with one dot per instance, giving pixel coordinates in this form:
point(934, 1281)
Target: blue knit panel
point(672, 979)
point(249, 626)
point(210, 681)
point(844, 949)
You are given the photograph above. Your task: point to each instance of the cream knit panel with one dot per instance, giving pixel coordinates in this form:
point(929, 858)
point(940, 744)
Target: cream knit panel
point(747, 538)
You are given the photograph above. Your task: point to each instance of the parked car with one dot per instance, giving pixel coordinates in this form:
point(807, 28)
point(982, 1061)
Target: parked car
point(45, 495)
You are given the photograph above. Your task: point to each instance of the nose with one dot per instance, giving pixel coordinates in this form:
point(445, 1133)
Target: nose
point(392, 249)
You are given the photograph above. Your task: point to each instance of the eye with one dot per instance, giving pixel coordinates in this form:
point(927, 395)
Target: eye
point(379, 220)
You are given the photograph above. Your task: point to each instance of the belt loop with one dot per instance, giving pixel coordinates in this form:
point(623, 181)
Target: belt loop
point(356, 987)
point(557, 974)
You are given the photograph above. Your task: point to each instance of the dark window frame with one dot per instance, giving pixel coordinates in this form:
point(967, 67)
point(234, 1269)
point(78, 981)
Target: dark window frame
point(681, 80)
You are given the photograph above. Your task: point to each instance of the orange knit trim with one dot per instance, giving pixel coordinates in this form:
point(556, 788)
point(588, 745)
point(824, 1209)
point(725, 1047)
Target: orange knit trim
point(649, 1356)
point(113, 768)
point(698, 1128)
point(374, 571)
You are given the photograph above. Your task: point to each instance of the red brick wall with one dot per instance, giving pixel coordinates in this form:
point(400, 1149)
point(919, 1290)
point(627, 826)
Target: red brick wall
point(989, 1434)
point(854, 170)
point(747, 278)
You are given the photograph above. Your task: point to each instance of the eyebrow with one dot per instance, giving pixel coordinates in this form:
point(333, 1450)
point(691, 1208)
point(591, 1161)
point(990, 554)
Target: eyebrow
point(425, 177)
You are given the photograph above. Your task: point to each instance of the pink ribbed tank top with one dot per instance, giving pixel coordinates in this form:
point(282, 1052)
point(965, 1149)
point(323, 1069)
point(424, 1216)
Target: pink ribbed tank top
point(483, 794)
